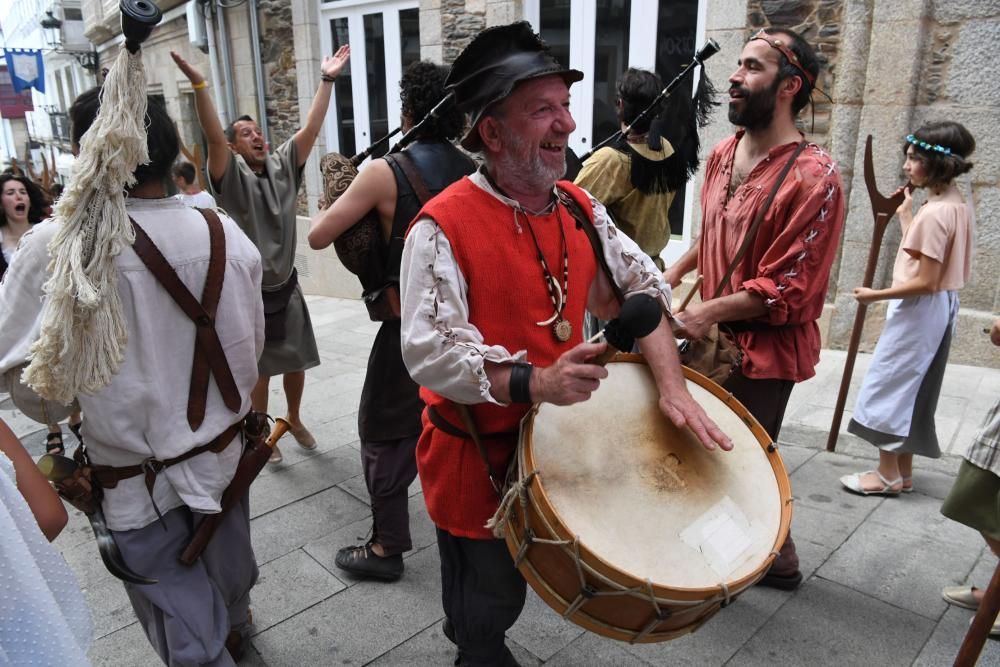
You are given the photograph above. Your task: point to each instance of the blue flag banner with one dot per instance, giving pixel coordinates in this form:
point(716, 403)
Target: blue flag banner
point(26, 69)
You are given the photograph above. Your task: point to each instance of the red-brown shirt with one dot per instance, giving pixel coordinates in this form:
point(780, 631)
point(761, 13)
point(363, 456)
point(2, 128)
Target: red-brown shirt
point(789, 262)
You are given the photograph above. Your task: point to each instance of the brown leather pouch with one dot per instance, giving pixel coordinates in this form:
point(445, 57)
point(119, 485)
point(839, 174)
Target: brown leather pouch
point(383, 303)
point(716, 356)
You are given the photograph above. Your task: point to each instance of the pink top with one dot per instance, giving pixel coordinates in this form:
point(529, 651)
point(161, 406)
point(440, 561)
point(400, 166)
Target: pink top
point(788, 264)
point(942, 231)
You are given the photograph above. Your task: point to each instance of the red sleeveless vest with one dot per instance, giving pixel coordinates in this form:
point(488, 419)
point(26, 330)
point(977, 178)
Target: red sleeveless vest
point(507, 295)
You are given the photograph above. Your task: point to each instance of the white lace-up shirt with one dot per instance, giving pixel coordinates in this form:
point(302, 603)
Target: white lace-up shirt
point(447, 353)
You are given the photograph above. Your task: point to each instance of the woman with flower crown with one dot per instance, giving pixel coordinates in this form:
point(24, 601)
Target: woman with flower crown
point(896, 405)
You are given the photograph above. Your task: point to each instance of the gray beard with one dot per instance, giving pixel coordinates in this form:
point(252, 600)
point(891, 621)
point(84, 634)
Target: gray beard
point(517, 166)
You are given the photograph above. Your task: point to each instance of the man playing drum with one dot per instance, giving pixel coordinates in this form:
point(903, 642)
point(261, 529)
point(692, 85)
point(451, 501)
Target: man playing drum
point(163, 430)
point(496, 276)
point(775, 295)
point(260, 191)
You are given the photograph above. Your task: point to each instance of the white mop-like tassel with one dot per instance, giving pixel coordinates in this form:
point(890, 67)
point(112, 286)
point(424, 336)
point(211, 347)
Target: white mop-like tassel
point(84, 332)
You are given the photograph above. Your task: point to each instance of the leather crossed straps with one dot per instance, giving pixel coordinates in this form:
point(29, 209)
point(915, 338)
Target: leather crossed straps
point(209, 357)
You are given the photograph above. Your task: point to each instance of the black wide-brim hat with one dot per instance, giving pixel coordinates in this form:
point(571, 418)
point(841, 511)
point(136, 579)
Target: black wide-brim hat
point(493, 63)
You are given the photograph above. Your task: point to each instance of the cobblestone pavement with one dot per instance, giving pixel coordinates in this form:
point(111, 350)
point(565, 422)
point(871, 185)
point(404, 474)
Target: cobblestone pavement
point(874, 567)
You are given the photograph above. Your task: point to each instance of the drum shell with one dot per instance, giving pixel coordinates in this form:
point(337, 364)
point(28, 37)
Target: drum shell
point(552, 570)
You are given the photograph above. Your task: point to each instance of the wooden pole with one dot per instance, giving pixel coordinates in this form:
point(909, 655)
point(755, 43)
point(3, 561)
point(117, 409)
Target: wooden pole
point(883, 209)
point(975, 638)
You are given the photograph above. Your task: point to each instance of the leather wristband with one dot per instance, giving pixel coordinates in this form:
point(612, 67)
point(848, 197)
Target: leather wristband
point(520, 382)
point(327, 78)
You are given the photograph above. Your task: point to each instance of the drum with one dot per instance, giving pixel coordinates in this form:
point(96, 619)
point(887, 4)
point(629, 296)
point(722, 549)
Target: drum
point(626, 525)
point(31, 404)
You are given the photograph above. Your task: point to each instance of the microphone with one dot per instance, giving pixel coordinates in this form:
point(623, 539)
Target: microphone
point(710, 49)
point(639, 317)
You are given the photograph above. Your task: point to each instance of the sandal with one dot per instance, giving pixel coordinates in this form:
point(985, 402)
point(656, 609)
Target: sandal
point(907, 485)
point(303, 437)
point(54, 444)
point(853, 484)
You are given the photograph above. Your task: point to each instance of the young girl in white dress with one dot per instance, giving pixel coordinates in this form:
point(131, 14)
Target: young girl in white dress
point(896, 405)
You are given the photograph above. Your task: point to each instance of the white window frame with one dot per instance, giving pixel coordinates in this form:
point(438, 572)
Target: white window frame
point(641, 53)
point(355, 11)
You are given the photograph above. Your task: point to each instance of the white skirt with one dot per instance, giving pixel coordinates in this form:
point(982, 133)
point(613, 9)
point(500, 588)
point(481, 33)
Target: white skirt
point(895, 409)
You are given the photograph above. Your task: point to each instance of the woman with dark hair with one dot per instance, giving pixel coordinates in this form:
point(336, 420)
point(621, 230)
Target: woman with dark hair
point(23, 205)
point(895, 409)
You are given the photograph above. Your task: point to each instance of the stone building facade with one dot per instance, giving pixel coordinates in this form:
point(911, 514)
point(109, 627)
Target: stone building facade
point(891, 65)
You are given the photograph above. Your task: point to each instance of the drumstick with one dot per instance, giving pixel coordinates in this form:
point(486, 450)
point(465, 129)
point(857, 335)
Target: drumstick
point(690, 294)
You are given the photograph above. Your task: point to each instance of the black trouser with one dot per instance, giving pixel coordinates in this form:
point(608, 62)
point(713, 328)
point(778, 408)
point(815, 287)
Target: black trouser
point(390, 466)
point(766, 400)
point(483, 594)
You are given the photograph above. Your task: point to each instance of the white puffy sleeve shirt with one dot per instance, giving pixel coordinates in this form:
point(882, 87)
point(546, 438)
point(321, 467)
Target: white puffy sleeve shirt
point(143, 412)
point(443, 350)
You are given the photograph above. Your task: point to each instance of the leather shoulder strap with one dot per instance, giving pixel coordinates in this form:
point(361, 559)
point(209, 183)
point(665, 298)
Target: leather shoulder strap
point(209, 355)
point(583, 221)
point(397, 237)
point(755, 225)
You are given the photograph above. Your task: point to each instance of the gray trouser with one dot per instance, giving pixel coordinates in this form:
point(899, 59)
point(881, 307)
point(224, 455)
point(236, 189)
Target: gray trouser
point(190, 611)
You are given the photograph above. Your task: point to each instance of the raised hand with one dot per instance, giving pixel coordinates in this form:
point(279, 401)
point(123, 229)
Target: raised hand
point(332, 65)
point(193, 75)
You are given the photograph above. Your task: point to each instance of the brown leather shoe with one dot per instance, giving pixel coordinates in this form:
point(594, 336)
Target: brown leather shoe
point(236, 644)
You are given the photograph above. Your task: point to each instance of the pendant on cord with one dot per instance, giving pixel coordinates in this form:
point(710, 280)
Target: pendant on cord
point(562, 329)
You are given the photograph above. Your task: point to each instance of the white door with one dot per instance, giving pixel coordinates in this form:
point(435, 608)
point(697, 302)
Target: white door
point(384, 38)
point(602, 38)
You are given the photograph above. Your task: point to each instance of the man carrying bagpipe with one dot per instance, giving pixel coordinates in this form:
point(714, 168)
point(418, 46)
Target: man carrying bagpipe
point(395, 187)
point(152, 318)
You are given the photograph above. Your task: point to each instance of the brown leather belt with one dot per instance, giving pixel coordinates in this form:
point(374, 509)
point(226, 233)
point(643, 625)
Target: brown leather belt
point(109, 476)
point(443, 424)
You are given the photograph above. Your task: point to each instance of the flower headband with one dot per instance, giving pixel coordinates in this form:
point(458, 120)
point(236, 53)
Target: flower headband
point(776, 43)
point(926, 146)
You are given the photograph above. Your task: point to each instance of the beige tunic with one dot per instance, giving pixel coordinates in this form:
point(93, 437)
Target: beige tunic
point(264, 207)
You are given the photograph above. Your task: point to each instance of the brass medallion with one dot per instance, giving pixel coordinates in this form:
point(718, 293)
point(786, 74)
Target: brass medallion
point(562, 329)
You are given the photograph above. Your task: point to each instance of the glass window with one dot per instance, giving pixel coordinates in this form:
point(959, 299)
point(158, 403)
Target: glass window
point(342, 87)
point(610, 60)
point(675, 47)
point(554, 21)
point(409, 34)
point(378, 112)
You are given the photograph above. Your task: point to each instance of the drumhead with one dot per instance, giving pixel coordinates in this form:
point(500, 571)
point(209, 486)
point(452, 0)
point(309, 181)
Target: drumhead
point(648, 498)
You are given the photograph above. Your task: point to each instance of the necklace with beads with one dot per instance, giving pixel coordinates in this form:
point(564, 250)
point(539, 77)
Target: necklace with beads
point(561, 328)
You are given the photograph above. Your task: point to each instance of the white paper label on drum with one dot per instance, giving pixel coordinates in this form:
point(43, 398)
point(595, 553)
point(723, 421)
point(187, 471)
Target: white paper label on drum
point(723, 535)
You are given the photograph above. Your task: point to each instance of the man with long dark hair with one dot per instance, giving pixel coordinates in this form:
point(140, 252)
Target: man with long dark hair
point(637, 177)
point(772, 300)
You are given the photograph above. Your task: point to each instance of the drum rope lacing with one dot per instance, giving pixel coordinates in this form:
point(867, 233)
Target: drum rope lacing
point(519, 491)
